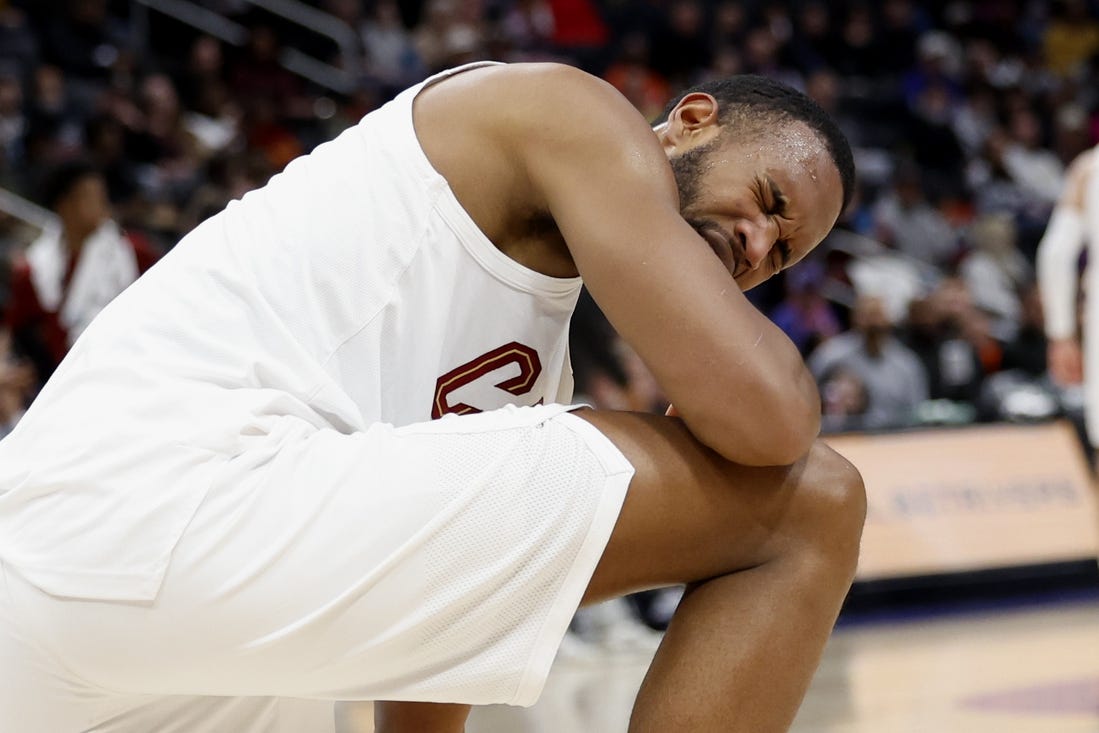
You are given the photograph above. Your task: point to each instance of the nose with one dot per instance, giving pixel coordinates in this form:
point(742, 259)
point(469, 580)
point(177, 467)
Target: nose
point(758, 237)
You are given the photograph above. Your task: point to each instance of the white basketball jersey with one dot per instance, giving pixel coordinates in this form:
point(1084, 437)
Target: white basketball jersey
point(351, 289)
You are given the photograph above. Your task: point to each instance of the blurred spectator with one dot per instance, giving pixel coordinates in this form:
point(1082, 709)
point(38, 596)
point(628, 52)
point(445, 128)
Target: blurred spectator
point(931, 143)
point(632, 76)
point(859, 56)
point(900, 29)
point(814, 44)
point(996, 272)
point(729, 26)
point(824, 87)
point(894, 378)
point(13, 123)
point(844, 401)
point(908, 222)
point(205, 67)
point(762, 55)
point(974, 119)
point(53, 115)
point(937, 64)
point(258, 76)
point(1071, 36)
point(1037, 170)
point(1027, 351)
point(70, 273)
point(681, 45)
point(86, 42)
point(935, 335)
point(974, 324)
point(19, 46)
point(391, 55)
point(447, 37)
point(804, 315)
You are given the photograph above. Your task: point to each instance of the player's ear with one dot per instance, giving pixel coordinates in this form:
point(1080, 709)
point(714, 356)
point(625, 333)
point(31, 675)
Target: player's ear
point(694, 120)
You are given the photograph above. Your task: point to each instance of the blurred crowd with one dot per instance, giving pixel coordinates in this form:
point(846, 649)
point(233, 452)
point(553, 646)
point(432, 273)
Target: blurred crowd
point(920, 308)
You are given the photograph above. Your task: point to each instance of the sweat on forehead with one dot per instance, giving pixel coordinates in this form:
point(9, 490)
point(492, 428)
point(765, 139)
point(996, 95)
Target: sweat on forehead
point(782, 138)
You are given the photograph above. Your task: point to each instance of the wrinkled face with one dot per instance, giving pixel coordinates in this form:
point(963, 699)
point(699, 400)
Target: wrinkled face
point(761, 204)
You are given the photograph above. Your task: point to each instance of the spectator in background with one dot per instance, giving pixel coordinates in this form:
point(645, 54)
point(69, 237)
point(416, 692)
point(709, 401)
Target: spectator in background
point(13, 123)
point(72, 271)
point(681, 45)
point(894, 378)
point(844, 401)
point(54, 116)
point(105, 142)
point(1035, 168)
point(908, 222)
point(804, 315)
point(931, 143)
point(975, 324)
point(19, 46)
point(898, 35)
point(996, 272)
point(935, 333)
point(729, 27)
point(859, 50)
point(391, 55)
point(631, 75)
point(1027, 351)
point(259, 76)
point(814, 44)
point(1071, 37)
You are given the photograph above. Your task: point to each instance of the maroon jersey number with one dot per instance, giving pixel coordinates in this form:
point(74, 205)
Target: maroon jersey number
point(514, 353)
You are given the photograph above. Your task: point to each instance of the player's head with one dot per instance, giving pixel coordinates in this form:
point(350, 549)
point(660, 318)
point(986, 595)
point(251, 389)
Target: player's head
point(763, 172)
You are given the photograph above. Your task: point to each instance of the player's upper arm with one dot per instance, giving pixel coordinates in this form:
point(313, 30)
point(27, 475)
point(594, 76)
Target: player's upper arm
point(735, 378)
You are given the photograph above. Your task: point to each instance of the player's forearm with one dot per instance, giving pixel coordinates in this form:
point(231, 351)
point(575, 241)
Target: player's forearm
point(1057, 254)
point(768, 414)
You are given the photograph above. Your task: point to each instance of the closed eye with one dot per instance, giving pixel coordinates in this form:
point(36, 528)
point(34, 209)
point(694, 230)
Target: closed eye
point(779, 201)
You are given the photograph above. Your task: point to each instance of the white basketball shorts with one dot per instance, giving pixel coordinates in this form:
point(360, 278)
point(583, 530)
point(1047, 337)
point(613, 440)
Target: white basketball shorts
point(435, 562)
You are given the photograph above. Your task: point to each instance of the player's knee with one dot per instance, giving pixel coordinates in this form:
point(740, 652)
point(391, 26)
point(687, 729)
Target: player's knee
point(833, 509)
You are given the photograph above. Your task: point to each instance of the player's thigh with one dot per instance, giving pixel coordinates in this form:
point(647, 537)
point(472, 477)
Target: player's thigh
point(434, 562)
point(690, 514)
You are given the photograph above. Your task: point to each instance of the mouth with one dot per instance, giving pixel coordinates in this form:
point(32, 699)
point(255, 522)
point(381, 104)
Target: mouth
point(731, 255)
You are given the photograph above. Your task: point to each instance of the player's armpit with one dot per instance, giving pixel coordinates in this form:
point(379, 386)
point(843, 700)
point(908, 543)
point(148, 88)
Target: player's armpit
point(737, 381)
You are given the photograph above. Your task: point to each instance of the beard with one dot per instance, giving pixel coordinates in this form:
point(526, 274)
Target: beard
point(688, 169)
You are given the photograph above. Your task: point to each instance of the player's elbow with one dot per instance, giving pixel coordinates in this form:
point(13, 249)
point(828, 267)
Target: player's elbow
point(779, 435)
point(787, 438)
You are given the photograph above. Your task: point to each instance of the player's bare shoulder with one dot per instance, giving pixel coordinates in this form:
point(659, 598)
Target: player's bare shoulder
point(562, 117)
point(504, 135)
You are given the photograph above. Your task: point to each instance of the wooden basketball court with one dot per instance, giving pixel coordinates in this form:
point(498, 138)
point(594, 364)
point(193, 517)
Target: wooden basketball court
point(1032, 669)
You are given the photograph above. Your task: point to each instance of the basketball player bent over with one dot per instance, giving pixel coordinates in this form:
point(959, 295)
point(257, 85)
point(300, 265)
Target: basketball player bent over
point(233, 492)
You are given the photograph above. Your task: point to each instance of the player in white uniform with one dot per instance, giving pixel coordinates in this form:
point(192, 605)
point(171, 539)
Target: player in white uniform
point(235, 490)
point(1073, 225)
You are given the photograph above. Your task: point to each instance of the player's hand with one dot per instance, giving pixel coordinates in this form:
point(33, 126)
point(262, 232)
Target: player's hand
point(1066, 362)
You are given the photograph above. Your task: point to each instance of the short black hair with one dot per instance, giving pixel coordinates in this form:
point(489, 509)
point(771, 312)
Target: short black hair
point(60, 181)
point(765, 99)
